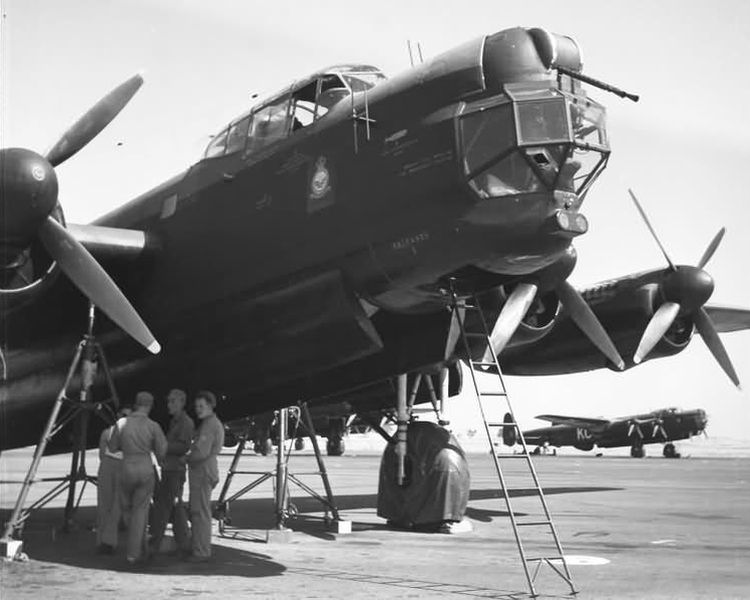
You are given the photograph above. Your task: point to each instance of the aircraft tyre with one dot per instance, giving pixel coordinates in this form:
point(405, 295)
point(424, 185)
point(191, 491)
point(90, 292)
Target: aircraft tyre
point(670, 451)
point(637, 451)
point(263, 447)
point(299, 444)
point(335, 446)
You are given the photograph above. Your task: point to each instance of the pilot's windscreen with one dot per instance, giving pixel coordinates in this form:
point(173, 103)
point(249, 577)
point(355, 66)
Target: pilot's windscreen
point(332, 91)
point(217, 146)
point(269, 124)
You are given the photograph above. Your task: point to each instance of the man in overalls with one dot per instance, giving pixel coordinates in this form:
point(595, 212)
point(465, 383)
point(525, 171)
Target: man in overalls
point(138, 437)
point(108, 492)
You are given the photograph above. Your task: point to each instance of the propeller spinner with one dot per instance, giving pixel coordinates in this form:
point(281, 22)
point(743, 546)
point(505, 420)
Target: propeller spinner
point(29, 195)
point(685, 290)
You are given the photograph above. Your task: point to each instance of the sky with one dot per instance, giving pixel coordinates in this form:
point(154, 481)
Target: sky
point(684, 148)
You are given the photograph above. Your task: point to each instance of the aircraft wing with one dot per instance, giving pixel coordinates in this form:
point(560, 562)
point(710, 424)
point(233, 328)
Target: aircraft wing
point(728, 318)
point(584, 422)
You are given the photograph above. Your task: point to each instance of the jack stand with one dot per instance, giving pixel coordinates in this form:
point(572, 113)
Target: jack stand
point(88, 356)
point(281, 477)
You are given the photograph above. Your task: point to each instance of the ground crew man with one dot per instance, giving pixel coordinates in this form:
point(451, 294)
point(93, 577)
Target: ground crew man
point(138, 436)
point(168, 498)
point(108, 492)
point(203, 473)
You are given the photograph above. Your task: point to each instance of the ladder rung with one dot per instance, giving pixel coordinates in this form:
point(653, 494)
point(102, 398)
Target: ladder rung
point(521, 455)
point(475, 334)
point(468, 306)
point(534, 523)
point(480, 363)
point(504, 424)
point(540, 558)
point(493, 393)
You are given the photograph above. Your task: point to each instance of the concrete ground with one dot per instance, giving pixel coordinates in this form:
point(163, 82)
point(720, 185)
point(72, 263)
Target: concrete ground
point(650, 528)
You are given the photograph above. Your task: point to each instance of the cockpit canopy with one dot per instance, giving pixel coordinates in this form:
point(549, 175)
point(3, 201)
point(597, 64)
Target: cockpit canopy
point(299, 106)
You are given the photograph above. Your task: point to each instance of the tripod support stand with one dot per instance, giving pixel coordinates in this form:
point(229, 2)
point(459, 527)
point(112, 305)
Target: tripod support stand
point(281, 478)
point(88, 358)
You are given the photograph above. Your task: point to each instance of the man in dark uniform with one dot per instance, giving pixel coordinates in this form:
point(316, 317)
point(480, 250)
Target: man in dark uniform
point(203, 473)
point(168, 499)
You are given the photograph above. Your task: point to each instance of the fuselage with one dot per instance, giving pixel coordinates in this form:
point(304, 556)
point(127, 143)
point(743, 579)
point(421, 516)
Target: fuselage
point(308, 251)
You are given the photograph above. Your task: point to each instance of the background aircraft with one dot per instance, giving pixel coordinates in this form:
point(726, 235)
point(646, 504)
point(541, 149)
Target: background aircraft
point(663, 426)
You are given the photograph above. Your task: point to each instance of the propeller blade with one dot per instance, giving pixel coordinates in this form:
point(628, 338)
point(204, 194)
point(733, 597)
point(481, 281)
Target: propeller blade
point(635, 428)
point(657, 327)
point(586, 320)
point(651, 229)
point(514, 309)
point(93, 281)
point(659, 429)
point(712, 248)
point(93, 121)
point(708, 332)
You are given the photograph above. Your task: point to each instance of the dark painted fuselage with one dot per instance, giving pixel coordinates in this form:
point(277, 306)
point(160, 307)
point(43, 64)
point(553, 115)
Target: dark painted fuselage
point(270, 259)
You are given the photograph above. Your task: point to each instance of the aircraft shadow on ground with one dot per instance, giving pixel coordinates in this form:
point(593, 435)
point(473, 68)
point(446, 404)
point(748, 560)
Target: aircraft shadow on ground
point(250, 516)
point(45, 542)
point(257, 513)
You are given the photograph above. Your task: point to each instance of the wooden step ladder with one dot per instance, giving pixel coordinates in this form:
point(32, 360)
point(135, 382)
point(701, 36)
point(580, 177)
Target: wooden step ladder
point(477, 342)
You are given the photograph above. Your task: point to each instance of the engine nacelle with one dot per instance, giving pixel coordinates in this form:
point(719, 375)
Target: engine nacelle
point(30, 272)
point(538, 320)
point(566, 349)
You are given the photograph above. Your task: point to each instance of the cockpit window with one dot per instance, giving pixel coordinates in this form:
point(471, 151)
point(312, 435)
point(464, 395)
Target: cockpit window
point(303, 106)
point(269, 124)
point(292, 112)
point(237, 135)
point(218, 145)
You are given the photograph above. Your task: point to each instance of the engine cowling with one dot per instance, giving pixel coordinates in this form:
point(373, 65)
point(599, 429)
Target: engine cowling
point(26, 271)
point(566, 349)
point(538, 320)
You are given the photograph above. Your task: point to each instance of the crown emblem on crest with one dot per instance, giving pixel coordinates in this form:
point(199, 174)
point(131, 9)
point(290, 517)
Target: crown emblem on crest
point(320, 182)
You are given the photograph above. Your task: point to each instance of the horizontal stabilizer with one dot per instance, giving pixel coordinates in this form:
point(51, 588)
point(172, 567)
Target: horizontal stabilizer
point(728, 318)
point(591, 424)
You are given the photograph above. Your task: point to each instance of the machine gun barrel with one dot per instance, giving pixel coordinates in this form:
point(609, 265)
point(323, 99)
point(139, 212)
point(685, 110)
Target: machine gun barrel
point(596, 83)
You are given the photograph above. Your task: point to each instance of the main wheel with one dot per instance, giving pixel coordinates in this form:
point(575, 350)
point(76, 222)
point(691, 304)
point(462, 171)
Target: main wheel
point(637, 451)
point(335, 447)
point(670, 451)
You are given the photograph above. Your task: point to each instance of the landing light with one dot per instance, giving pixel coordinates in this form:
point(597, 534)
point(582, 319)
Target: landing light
point(569, 223)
